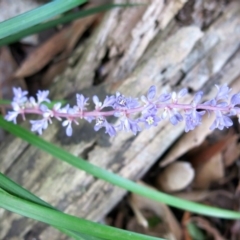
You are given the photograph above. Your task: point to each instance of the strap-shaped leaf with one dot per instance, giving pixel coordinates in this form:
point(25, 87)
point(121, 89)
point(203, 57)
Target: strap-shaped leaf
point(65, 221)
point(114, 178)
point(60, 20)
point(36, 16)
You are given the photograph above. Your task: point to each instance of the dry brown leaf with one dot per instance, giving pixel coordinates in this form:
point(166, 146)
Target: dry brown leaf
point(185, 220)
point(206, 152)
point(57, 68)
point(188, 141)
point(43, 54)
point(209, 171)
point(64, 40)
point(176, 176)
point(204, 224)
point(172, 227)
point(7, 67)
point(195, 196)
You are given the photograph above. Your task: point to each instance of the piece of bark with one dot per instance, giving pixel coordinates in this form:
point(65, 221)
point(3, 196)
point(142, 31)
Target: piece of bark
point(76, 192)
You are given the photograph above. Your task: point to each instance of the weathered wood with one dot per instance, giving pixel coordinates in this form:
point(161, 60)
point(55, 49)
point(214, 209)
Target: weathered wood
point(170, 56)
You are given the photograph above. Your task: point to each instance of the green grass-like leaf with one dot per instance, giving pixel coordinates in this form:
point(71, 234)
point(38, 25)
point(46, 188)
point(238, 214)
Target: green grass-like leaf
point(4, 102)
point(36, 16)
point(16, 190)
point(62, 19)
point(65, 221)
point(195, 232)
point(115, 179)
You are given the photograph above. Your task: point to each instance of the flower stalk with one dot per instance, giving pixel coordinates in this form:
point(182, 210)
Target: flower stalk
point(134, 114)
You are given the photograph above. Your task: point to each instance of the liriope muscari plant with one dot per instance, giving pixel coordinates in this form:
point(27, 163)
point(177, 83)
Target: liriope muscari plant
point(134, 114)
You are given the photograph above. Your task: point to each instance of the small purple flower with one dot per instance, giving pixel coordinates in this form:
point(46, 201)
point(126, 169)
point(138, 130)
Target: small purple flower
point(193, 118)
point(197, 98)
point(68, 122)
point(182, 93)
point(39, 125)
point(42, 96)
point(211, 102)
point(223, 92)
point(98, 104)
point(221, 121)
point(19, 95)
point(235, 99)
point(108, 102)
point(164, 97)
point(150, 120)
point(122, 102)
point(81, 102)
point(150, 96)
point(175, 118)
point(128, 125)
point(102, 122)
point(11, 117)
point(46, 112)
point(150, 109)
point(175, 96)
point(151, 93)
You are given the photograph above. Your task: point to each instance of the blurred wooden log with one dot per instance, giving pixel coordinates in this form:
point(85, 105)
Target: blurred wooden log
point(144, 46)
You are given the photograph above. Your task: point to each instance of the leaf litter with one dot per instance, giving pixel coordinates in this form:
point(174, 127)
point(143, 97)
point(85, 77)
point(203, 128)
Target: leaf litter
point(207, 171)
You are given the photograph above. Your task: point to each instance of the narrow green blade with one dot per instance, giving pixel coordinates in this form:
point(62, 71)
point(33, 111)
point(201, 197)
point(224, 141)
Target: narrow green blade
point(115, 179)
point(65, 221)
point(62, 19)
point(36, 16)
point(16, 190)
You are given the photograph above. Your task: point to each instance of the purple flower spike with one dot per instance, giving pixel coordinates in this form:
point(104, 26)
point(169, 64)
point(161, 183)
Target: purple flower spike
point(129, 110)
